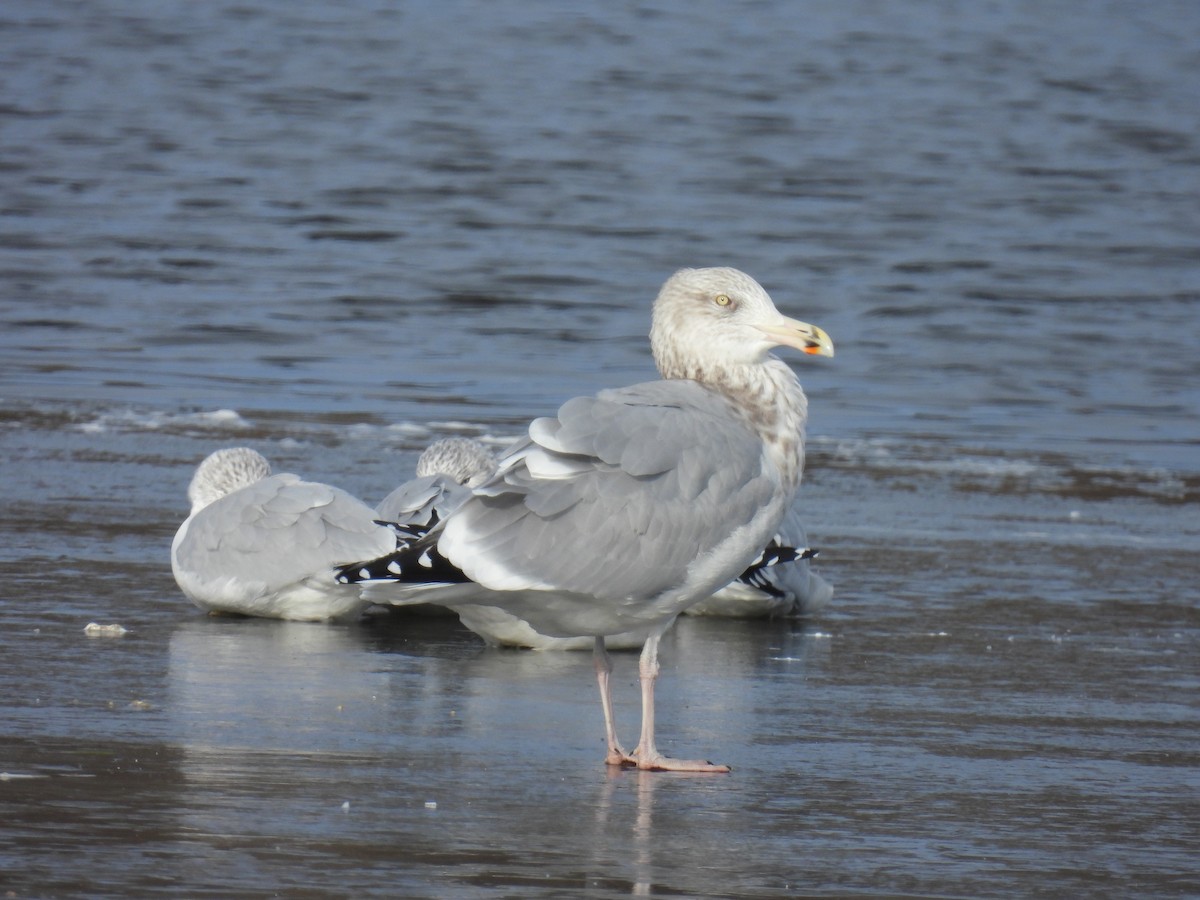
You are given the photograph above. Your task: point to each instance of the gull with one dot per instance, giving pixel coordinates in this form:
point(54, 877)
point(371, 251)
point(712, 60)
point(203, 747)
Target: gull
point(627, 507)
point(446, 471)
point(266, 545)
point(781, 588)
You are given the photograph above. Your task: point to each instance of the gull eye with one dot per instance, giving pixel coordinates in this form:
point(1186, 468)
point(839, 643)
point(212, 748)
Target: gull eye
point(722, 300)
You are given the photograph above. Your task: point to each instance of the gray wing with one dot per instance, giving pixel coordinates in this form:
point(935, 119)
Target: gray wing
point(616, 496)
point(417, 502)
point(278, 531)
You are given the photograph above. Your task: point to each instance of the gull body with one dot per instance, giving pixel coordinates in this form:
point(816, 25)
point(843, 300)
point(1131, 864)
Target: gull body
point(258, 544)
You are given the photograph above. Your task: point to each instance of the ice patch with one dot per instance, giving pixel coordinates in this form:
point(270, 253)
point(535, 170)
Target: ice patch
point(95, 629)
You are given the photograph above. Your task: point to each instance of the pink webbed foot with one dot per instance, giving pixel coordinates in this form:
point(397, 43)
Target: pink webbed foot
point(656, 762)
point(618, 757)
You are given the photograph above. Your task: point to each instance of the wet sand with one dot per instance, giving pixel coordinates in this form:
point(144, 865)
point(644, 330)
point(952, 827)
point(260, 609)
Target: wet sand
point(923, 740)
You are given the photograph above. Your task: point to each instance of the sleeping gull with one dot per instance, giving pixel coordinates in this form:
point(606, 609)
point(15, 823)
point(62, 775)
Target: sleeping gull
point(266, 545)
point(786, 588)
point(628, 507)
point(446, 471)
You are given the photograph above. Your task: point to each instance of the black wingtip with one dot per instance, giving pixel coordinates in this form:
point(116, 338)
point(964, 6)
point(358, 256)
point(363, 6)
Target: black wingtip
point(412, 562)
point(757, 574)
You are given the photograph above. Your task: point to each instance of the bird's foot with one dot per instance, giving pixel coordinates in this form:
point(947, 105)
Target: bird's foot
point(618, 757)
point(656, 762)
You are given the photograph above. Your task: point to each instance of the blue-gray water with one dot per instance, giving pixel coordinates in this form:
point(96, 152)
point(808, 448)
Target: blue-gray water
point(335, 231)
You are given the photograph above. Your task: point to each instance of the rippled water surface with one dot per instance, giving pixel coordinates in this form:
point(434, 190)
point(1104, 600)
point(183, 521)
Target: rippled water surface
point(337, 231)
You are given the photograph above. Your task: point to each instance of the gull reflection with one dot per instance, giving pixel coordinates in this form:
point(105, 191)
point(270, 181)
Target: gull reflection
point(643, 834)
point(246, 692)
point(621, 836)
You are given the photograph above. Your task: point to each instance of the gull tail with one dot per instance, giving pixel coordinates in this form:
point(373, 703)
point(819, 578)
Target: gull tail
point(415, 560)
point(758, 573)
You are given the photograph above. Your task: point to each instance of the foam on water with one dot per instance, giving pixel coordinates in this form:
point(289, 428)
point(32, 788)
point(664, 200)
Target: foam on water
point(156, 420)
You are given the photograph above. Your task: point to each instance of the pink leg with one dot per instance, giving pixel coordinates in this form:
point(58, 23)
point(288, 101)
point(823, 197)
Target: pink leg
point(616, 756)
point(647, 754)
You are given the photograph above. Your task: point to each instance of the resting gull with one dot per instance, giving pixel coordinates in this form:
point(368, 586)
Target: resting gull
point(446, 471)
point(787, 588)
point(628, 507)
point(266, 545)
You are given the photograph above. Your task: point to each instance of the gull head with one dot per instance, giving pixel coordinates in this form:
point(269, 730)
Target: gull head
point(465, 460)
point(224, 472)
point(720, 318)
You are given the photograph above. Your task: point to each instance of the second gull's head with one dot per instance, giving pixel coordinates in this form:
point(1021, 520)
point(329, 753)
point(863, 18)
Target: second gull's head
point(465, 460)
point(224, 472)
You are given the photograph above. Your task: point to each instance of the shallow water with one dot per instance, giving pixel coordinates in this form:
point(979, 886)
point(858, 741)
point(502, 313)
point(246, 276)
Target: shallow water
point(336, 232)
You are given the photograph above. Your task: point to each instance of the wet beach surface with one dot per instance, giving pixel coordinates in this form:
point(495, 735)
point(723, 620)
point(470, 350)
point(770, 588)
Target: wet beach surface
point(334, 234)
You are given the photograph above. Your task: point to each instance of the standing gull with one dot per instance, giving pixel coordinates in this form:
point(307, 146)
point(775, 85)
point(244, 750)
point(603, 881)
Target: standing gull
point(259, 544)
point(628, 507)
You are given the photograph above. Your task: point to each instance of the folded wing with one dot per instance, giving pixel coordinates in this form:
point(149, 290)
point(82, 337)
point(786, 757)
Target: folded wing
point(654, 475)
